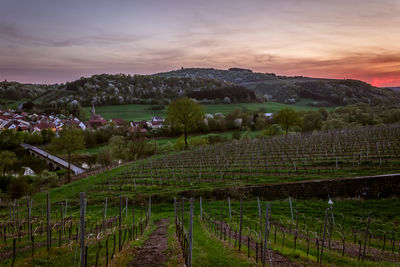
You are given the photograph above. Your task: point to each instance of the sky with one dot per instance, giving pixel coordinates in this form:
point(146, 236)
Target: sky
point(47, 41)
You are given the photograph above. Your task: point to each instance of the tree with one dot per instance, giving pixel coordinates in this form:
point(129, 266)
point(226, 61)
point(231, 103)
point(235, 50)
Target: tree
point(184, 114)
point(331, 124)
point(118, 147)
point(287, 118)
point(104, 157)
point(312, 120)
point(70, 140)
point(47, 135)
point(9, 139)
point(7, 158)
point(391, 116)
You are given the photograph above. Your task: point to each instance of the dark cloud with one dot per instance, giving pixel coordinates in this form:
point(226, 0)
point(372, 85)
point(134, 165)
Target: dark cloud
point(16, 35)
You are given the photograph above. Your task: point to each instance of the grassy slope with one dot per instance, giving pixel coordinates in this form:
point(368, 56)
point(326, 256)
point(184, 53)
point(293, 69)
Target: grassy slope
point(138, 112)
point(228, 134)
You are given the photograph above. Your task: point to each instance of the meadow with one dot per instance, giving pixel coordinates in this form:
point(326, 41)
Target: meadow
point(136, 112)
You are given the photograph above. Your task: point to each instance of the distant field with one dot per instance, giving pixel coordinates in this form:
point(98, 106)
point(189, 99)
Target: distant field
point(8, 103)
point(138, 112)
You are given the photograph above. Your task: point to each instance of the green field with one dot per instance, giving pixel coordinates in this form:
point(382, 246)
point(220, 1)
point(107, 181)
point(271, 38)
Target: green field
point(138, 112)
point(8, 103)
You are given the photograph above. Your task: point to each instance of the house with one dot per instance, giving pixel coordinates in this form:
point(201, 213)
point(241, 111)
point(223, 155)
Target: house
point(46, 125)
point(137, 129)
point(142, 123)
point(118, 122)
point(268, 115)
point(157, 118)
point(96, 123)
point(156, 122)
point(35, 123)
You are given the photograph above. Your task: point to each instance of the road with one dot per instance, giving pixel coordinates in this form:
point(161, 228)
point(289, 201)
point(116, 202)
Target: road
point(59, 161)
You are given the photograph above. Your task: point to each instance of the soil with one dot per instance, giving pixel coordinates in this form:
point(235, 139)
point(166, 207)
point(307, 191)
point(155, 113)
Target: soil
point(154, 250)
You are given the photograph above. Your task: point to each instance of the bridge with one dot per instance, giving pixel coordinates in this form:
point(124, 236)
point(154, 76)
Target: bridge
point(55, 162)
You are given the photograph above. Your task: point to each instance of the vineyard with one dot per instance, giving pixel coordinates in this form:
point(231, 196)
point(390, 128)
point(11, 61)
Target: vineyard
point(112, 218)
point(81, 231)
point(362, 151)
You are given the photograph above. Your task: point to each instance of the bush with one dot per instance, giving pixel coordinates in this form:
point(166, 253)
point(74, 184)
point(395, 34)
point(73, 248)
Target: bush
point(215, 138)
point(166, 147)
point(47, 179)
point(274, 129)
point(4, 182)
point(198, 141)
point(18, 187)
point(236, 135)
point(334, 124)
point(156, 107)
point(180, 143)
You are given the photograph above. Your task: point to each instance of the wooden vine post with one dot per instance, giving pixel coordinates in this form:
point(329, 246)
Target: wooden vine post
point(48, 221)
point(183, 210)
point(366, 236)
point(190, 234)
point(222, 205)
point(229, 206)
point(149, 213)
point(259, 212)
point(133, 220)
point(175, 215)
point(265, 235)
point(82, 231)
point(201, 209)
point(323, 236)
point(291, 209)
point(240, 224)
point(28, 202)
point(120, 224)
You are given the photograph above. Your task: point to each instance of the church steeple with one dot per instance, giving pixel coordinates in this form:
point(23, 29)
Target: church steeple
point(93, 111)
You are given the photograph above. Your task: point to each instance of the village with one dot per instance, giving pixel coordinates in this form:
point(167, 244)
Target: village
point(35, 123)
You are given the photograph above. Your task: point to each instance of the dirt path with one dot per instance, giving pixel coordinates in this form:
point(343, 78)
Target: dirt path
point(153, 252)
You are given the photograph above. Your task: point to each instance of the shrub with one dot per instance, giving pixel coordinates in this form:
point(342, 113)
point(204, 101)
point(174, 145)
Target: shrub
point(274, 129)
point(4, 182)
point(180, 143)
point(236, 135)
point(18, 187)
point(198, 141)
point(215, 138)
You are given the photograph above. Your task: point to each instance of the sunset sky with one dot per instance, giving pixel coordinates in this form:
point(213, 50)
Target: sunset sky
point(48, 41)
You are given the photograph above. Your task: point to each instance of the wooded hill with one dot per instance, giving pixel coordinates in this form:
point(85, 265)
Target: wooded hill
point(207, 85)
point(106, 89)
point(286, 89)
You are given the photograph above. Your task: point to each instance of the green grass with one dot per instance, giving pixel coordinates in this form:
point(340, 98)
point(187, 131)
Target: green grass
point(227, 134)
point(208, 251)
point(138, 112)
point(9, 103)
point(92, 150)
